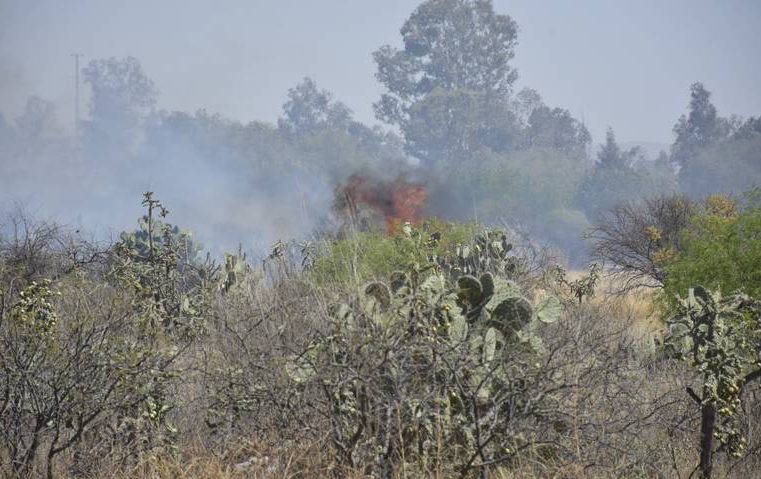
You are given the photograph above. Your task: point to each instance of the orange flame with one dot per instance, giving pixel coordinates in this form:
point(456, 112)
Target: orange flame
point(398, 201)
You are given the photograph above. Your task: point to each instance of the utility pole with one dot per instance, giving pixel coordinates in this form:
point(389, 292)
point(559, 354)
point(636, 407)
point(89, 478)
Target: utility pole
point(76, 95)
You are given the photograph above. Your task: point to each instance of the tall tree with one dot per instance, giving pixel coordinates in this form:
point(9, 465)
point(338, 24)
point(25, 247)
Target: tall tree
point(37, 120)
point(457, 50)
point(612, 156)
point(122, 97)
point(450, 126)
point(310, 109)
point(556, 128)
point(715, 154)
point(618, 177)
point(700, 128)
point(449, 44)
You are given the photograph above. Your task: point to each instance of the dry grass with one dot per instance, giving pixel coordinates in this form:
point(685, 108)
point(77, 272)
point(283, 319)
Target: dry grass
point(639, 306)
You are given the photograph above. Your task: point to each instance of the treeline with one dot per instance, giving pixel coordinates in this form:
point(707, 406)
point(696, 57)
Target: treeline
point(484, 149)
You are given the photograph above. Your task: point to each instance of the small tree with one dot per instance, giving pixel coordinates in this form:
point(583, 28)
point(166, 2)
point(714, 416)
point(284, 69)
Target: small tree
point(638, 240)
point(583, 287)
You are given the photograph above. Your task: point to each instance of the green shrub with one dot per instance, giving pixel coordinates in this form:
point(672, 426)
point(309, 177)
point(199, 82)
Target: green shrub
point(720, 250)
point(367, 255)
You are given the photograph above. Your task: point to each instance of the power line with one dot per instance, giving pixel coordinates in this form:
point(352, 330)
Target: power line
point(76, 94)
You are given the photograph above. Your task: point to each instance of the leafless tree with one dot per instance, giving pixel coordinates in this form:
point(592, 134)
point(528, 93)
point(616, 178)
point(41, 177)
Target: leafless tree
point(635, 240)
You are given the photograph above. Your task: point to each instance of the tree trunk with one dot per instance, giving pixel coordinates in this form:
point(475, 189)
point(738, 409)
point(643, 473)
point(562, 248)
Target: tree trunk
point(707, 426)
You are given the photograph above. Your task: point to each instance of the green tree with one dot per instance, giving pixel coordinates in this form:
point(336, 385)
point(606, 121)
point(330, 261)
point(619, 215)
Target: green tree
point(614, 179)
point(122, 96)
point(327, 140)
point(720, 250)
point(532, 190)
point(546, 127)
point(733, 165)
point(446, 126)
point(715, 154)
point(33, 139)
point(449, 44)
point(556, 128)
point(310, 109)
point(36, 122)
point(699, 128)
point(612, 156)
point(456, 59)
point(750, 128)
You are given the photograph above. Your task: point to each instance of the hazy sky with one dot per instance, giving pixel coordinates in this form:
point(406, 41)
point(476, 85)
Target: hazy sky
point(627, 64)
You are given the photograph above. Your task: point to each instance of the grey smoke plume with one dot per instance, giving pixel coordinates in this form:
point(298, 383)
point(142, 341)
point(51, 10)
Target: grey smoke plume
point(222, 204)
point(229, 183)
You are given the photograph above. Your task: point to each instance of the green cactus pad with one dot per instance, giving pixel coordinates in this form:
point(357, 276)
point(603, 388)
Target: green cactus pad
point(510, 315)
point(433, 285)
point(504, 288)
point(487, 284)
point(380, 292)
point(548, 310)
point(458, 329)
point(469, 290)
point(398, 280)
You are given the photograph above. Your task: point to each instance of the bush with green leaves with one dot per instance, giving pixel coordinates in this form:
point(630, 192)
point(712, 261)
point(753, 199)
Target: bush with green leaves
point(366, 255)
point(721, 249)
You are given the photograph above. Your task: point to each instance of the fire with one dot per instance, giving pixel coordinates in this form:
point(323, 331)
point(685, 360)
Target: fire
point(397, 201)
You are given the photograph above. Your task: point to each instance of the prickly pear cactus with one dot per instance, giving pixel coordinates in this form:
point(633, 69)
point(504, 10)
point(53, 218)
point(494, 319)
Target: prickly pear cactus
point(721, 338)
point(235, 269)
point(488, 252)
point(426, 349)
point(498, 303)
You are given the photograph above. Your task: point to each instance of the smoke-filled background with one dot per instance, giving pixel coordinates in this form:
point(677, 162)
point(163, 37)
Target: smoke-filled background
point(247, 119)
